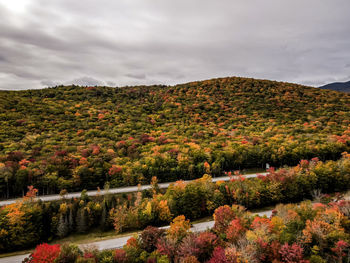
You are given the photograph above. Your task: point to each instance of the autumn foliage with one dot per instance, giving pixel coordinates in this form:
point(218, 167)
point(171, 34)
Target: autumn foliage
point(193, 200)
point(284, 237)
point(79, 138)
point(45, 253)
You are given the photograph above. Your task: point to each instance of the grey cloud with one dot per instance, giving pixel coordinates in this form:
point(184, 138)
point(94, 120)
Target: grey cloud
point(167, 42)
point(136, 76)
point(3, 58)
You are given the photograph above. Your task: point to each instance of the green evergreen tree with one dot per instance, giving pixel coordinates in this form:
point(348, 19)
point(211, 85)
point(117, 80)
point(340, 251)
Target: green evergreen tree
point(104, 216)
point(71, 219)
point(62, 229)
point(82, 220)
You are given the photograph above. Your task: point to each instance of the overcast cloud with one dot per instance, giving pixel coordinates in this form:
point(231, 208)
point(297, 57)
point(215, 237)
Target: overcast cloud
point(126, 42)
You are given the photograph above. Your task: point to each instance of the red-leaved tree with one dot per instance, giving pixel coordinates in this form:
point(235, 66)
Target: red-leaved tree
point(292, 253)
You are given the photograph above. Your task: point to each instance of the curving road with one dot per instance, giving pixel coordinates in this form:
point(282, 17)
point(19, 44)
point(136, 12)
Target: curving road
point(121, 241)
point(127, 189)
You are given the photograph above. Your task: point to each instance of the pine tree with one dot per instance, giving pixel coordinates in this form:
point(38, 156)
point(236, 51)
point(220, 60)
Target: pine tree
point(104, 216)
point(82, 220)
point(71, 219)
point(112, 202)
point(62, 228)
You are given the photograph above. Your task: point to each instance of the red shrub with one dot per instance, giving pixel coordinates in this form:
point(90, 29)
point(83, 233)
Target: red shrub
point(218, 256)
point(132, 242)
point(340, 248)
point(120, 256)
point(167, 246)
point(45, 253)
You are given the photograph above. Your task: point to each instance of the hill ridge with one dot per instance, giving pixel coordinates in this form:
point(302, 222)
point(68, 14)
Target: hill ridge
point(338, 86)
point(80, 137)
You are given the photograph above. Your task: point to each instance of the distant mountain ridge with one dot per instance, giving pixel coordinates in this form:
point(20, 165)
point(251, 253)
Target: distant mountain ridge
point(338, 86)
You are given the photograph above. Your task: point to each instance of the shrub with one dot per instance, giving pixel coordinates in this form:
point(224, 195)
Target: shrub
point(45, 253)
point(120, 256)
point(69, 253)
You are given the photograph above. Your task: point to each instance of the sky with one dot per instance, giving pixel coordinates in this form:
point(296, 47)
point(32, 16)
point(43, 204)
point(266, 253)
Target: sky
point(140, 42)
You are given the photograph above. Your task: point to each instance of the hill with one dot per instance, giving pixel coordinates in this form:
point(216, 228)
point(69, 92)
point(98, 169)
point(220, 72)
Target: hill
point(80, 137)
point(338, 86)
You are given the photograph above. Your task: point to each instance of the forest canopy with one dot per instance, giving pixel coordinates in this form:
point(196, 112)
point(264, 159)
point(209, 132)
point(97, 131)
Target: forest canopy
point(75, 138)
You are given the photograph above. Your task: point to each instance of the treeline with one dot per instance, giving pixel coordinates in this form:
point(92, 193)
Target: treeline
point(78, 138)
point(28, 223)
point(305, 233)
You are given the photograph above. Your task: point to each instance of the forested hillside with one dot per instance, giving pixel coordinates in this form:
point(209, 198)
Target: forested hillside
point(80, 137)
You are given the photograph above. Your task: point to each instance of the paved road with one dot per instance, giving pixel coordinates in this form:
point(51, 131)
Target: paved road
point(121, 241)
point(127, 189)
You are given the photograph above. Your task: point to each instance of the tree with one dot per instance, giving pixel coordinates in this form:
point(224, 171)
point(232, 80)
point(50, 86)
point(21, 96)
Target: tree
point(31, 194)
point(223, 217)
point(149, 238)
point(292, 253)
point(218, 256)
point(82, 220)
point(119, 216)
point(104, 216)
point(179, 228)
point(71, 222)
point(63, 227)
point(21, 180)
point(155, 186)
point(234, 230)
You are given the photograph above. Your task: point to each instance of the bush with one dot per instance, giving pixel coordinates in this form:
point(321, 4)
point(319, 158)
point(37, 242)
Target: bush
point(45, 253)
point(69, 253)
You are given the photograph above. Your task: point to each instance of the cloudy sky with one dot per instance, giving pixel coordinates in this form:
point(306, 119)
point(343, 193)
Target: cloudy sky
point(127, 42)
